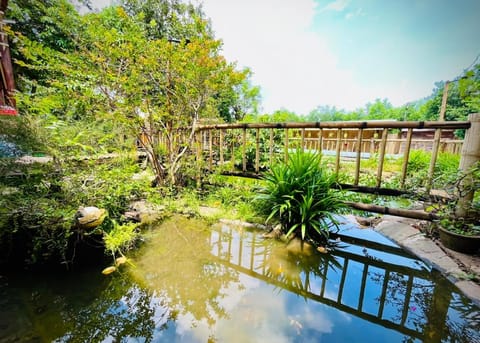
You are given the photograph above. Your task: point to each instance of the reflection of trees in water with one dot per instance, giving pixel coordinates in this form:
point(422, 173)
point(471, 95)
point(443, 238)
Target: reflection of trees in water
point(174, 276)
point(122, 310)
point(80, 307)
point(434, 307)
point(177, 266)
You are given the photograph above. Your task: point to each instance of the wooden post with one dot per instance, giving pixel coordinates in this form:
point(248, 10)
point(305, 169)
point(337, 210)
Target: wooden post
point(286, 145)
point(470, 156)
point(358, 157)
point(303, 139)
point(433, 159)
point(406, 156)
point(222, 132)
point(244, 150)
point(210, 150)
point(338, 150)
point(198, 142)
point(320, 138)
point(441, 117)
point(381, 158)
point(257, 150)
point(436, 141)
point(271, 146)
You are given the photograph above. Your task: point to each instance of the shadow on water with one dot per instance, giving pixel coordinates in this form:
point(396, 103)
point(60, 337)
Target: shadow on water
point(195, 283)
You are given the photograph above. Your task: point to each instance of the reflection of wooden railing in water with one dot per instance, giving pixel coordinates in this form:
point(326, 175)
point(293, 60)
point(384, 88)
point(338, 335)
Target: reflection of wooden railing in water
point(224, 247)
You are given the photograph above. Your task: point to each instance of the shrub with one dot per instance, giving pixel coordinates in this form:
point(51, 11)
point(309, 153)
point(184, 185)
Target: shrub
point(418, 161)
point(298, 194)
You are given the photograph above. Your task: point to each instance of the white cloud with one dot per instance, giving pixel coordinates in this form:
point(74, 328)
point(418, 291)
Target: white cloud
point(358, 13)
point(293, 65)
point(337, 5)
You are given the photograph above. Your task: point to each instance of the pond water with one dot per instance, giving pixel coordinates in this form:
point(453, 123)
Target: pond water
point(194, 283)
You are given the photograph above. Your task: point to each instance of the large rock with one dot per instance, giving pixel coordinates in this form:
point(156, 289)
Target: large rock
point(144, 212)
point(90, 217)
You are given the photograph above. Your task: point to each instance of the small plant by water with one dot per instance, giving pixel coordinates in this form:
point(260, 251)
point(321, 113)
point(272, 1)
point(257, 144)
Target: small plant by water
point(298, 195)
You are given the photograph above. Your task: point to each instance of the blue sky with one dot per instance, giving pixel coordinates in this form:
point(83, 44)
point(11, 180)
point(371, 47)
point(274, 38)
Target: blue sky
point(345, 53)
point(306, 53)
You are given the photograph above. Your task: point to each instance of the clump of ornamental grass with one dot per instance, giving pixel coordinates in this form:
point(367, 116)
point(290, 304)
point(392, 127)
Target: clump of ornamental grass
point(298, 195)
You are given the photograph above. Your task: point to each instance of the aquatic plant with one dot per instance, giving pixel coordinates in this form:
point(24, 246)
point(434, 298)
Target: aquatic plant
point(297, 193)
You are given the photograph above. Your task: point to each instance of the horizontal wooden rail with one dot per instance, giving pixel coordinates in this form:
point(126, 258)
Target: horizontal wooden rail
point(344, 125)
point(414, 214)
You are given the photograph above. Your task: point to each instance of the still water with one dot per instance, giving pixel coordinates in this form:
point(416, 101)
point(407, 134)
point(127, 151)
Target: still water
point(192, 282)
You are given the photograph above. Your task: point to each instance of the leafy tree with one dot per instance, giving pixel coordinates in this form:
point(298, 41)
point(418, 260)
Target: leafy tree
point(456, 108)
point(169, 19)
point(469, 89)
point(153, 86)
point(380, 109)
point(49, 25)
point(236, 102)
point(326, 113)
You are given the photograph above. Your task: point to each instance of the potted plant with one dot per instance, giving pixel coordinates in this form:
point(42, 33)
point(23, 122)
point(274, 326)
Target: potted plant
point(460, 235)
point(459, 223)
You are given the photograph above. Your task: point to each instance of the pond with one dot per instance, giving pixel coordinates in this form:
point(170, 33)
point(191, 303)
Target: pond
point(191, 282)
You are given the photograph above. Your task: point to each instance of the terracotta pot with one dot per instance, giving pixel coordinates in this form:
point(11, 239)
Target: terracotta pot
point(460, 243)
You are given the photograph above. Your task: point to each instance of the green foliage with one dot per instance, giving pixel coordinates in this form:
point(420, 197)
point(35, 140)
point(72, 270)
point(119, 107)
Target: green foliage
point(109, 186)
point(418, 161)
point(461, 226)
point(168, 18)
point(297, 194)
point(120, 238)
point(38, 203)
point(33, 227)
point(469, 89)
point(93, 83)
point(446, 168)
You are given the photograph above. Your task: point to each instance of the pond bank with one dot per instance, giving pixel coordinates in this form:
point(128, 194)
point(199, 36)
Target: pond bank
point(454, 265)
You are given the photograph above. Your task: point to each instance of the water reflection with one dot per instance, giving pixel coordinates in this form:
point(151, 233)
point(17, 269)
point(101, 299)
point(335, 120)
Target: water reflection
point(193, 283)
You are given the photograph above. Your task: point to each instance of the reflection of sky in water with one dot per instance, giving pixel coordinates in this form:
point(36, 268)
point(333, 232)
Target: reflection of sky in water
point(233, 286)
point(262, 312)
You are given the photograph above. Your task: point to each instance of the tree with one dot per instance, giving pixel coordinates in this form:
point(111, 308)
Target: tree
point(49, 24)
point(169, 19)
point(469, 89)
point(154, 85)
point(242, 99)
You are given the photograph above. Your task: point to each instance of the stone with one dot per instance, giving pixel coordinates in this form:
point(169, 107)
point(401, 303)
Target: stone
point(90, 217)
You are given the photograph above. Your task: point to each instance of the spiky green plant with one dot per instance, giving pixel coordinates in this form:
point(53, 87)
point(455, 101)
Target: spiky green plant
point(298, 194)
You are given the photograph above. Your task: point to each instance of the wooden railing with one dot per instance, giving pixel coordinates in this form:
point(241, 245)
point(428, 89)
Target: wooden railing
point(394, 146)
point(257, 144)
point(246, 149)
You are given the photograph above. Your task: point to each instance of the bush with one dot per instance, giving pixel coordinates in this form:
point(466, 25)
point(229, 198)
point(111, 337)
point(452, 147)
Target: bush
point(298, 194)
point(38, 203)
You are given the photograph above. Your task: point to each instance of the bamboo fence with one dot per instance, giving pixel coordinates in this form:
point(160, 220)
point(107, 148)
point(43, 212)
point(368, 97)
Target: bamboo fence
point(245, 149)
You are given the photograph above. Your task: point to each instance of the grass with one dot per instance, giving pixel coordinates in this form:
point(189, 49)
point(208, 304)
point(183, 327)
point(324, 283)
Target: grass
point(298, 194)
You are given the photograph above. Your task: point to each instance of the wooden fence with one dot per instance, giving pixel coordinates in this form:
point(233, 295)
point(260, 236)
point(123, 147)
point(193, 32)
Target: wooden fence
point(246, 149)
point(257, 144)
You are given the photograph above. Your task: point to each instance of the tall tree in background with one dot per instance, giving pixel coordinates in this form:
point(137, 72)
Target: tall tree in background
point(169, 19)
point(154, 85)
point(177, 21)
point(469, 89)
point(120, 71)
